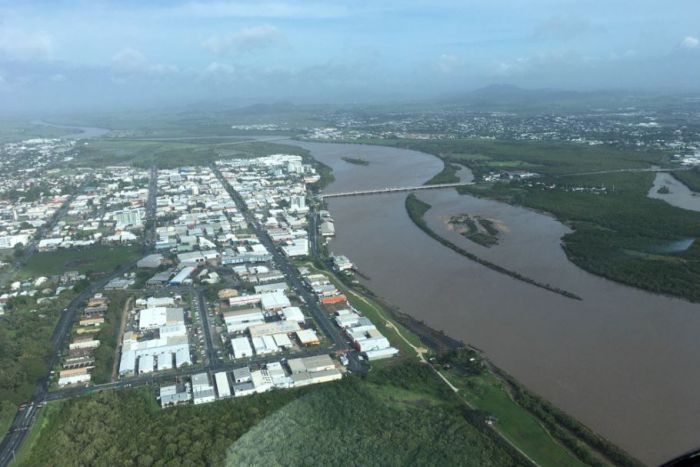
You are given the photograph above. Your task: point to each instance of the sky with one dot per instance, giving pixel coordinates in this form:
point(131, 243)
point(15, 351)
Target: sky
point(66, 55)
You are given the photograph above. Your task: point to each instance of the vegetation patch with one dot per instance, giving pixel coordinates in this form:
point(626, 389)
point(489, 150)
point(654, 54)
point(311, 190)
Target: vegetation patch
point(399, 415)
point(475, 228)
point(355, 161)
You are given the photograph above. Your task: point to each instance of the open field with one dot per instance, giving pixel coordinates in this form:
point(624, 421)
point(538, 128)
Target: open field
point(88, 260)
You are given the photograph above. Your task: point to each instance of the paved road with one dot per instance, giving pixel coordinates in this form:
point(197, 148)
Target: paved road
point(149, 236)
point(210, 356)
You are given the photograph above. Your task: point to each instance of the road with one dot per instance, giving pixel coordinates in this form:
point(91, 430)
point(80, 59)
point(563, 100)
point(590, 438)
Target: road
point(210, 356)
point(149, 235)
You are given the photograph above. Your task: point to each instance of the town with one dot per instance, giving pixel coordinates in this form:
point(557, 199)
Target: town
point(222, 300)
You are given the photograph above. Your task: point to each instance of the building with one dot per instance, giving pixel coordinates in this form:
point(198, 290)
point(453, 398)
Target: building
point(150, 318)
point(308, 337)
point(275, 327)
point(183, 276)
point(202, 390)
point(239, 320)
point(312, 370)
point(242, 375)
point(293, 313)
point(342, 263)
point(150, 261)
point(128, 218)
point(223, 388)
point(274, 301)
point(146, 364)
point(298, 247)
point(379, 354)
point(241, 347)
point(174, 395)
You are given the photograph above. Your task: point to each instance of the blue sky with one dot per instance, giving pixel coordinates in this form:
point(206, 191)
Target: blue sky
point(61, 54)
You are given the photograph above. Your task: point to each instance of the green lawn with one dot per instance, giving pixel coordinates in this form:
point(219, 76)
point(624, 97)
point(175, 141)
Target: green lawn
point(517, 424)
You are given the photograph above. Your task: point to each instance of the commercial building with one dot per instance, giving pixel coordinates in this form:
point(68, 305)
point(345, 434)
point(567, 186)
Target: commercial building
point(223, 388)
point(241, 347)
point(202, 390)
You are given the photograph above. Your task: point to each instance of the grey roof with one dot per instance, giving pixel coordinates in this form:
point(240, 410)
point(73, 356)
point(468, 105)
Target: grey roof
point(241, 374)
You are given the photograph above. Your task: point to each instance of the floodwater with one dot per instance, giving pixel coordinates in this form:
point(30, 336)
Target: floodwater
point(679, 195)
point(623, 361)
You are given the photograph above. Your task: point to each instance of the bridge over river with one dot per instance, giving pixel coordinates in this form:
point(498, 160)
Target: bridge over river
point(391, 190)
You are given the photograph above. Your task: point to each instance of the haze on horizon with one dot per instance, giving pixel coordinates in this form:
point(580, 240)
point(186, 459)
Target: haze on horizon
point(70, 55)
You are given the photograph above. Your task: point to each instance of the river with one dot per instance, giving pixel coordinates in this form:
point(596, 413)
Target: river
point(81, 132)
point(622, 361)
point(679, 195)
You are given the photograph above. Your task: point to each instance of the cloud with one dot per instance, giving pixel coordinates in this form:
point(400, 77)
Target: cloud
point(446, 63)
point(16, 45)
point(234, 9)
point(244, 40)
point(564, 28)
point(690, 42)
point(131, 61)
point(58, 77)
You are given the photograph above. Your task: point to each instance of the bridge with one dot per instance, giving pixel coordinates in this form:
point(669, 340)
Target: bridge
point(379, 191)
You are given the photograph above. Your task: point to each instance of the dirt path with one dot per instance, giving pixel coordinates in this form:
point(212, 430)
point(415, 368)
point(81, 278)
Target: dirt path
point(118, 347)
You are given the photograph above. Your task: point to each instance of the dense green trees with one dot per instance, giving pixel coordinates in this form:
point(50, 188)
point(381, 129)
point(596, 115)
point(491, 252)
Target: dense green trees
point(395, 416)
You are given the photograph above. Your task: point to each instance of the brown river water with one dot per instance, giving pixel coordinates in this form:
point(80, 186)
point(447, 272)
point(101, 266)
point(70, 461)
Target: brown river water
point(623, 361)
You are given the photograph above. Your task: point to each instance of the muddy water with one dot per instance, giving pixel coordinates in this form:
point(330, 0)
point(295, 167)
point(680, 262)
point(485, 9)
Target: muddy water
point(679, 195)
point(623, 361)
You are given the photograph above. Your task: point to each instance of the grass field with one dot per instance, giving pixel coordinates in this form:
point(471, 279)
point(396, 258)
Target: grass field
point(94, 259)
point(486, 392)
